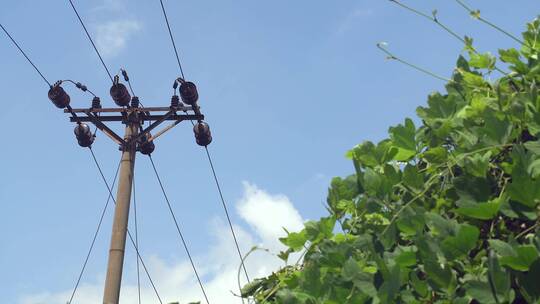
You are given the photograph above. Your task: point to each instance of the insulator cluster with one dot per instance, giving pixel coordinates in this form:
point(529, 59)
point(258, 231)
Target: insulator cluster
point(96, 103)
point(58, 96)
point(188, 92)
point(146, 146)
point(119, 93)
point(135, 102)
point(203, 136)
point(175, 102)
point(84, 135)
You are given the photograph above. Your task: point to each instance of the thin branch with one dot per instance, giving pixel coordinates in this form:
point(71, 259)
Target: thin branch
point(434, 19)
point(476, 15)
point(524, 232)
point(380, 46)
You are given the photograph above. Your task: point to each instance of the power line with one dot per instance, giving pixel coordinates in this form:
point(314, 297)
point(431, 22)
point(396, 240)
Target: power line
point(24, 54)
point(226, 211)
point(208, 154)
point(95, 234)
point(127, 79)
point(136, 237)
point(178, 229)
point(128, 232)
point(91, 41)
point(172, 38)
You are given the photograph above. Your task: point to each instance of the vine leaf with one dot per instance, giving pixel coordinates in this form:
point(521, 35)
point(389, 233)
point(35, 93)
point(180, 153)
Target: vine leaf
point(403, 138)
point(475, 14)
point(458, 246)
point(525, 256)
point(481, 211)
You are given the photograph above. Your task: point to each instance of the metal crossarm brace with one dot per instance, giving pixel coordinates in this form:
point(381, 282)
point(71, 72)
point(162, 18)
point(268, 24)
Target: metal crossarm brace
point(153, 125)
point(96, 121)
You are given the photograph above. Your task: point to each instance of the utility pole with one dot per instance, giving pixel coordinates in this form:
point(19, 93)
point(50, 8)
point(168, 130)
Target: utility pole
point(121, 215)
point(136, 139)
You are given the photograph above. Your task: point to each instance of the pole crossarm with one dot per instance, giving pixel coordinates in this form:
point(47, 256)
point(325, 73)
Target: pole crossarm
point(127, 110)
point(134, 114)
point(176, 117)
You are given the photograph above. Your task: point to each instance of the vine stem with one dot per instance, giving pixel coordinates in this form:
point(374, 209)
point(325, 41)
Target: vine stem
point(524, 232)
point(410, 202)
point(380, 46)
point(276, 287)
point(455, 161)
point(434, 19)
point(252, 250)
point(476, 15)
point(391, 56)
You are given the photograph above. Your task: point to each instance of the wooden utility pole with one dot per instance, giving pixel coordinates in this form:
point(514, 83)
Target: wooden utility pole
point(121, 215)
point(136, 139)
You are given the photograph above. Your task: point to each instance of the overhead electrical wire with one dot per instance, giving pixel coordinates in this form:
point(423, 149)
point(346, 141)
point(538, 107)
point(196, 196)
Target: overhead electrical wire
point(129, 233)
point(25, 56)
point(226, 211)
point(135, 242)
point(80, 86)
point(95, 233)
point(172, 38)
point(91, 41)
point(178, 229)
point(136, 236)
point(127, 79)
point(207, 152)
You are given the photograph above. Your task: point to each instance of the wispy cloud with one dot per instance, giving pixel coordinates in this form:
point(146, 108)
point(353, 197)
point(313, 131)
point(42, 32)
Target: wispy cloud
point(265, 213)
point(112, 36)
point(351, 18)
point(111, 6)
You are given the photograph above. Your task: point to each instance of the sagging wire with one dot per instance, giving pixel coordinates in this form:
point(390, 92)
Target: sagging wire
point(184, 243)
point(172, 38)
point(128, 232)
point(181, 80)
point(136, 237)
point(226, 211)
point(195, 107)
point(91, 41)
point(95, 234)
point(25, 56)
point(79, 86)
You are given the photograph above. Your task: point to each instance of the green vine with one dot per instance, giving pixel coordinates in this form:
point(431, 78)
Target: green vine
point(444, 212)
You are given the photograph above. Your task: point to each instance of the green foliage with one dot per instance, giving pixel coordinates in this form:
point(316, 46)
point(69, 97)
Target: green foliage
point(446, 212)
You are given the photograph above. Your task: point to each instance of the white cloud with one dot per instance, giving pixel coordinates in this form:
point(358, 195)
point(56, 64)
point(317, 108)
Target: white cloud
point(112, 36)
point(265, 213)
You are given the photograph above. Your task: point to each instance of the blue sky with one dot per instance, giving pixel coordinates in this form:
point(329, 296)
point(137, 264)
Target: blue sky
point(287, 87)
